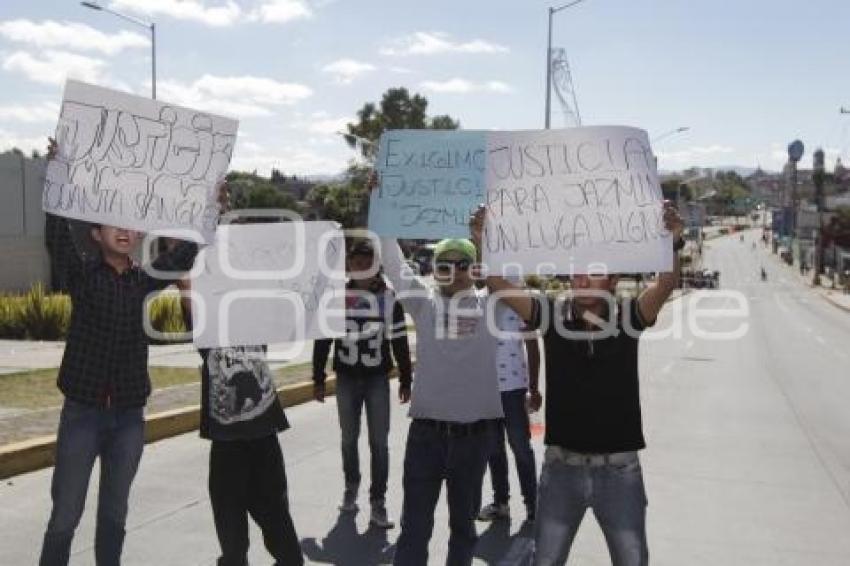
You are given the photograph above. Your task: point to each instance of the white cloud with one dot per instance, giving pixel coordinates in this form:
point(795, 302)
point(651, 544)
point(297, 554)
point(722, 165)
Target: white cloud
point(243, 97)
point(70, 35)
point(464, 86)
point(217, 14)
point(432, 43)
point(291, 159)
point(328, 126)
point(346, 71)
point(52, 66)
point(698, 155)
point(9, 140)
point(281, 11)
point(33, 113)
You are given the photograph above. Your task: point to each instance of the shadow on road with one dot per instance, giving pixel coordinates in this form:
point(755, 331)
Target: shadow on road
point(344, 546)
point(496, 546)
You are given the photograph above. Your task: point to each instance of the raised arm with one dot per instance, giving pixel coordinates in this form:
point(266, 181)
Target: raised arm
point(532, 350)
point(401, 351)
point(653, 298)
point(519, 299)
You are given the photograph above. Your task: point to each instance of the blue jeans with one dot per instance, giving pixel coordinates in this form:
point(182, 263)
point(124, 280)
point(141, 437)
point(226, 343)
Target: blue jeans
point(432, 456)
point(518, 431)
point(352, 393)
point(85, 433)
point(615, 493)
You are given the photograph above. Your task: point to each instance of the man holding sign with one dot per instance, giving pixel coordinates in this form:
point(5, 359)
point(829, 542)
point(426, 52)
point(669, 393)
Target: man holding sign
point(593, 415)
point(105, 381)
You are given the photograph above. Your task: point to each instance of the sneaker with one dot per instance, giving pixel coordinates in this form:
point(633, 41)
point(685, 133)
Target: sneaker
point(495, 511)
point(379, 517)
point(349, 501)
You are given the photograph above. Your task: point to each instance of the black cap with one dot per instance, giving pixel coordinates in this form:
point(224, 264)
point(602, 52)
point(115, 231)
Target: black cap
point(363, 247)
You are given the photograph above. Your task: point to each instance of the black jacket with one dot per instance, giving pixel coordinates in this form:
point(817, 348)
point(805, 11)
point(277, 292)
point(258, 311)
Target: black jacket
point(106, 353)
point(375, 323)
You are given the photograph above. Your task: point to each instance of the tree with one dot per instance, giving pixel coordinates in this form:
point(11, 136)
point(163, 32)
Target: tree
point(672, 189)
point(249, 190)
point(838, 229)
point(396, 111)
point(266, 196)
point(337, 202)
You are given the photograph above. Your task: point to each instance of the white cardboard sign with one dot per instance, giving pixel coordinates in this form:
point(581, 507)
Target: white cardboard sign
point(137, 163)
point(270, 283)
point(579, 200)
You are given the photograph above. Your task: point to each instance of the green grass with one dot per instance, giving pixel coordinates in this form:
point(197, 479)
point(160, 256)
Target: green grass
point(37, 389)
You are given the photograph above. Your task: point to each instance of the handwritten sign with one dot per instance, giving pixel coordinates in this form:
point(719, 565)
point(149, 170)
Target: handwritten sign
point(581, 200)
point(430, 182)
point(137, 163)
point(270, 283)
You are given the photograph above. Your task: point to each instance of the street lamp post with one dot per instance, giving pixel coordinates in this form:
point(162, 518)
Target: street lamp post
point(670, 133)
point(818, 171)
point(795, 153)
point(150, 26)
point(552, 12)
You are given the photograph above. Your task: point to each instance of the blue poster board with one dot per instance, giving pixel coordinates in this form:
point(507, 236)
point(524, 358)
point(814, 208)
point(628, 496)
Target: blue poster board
point(430, 181)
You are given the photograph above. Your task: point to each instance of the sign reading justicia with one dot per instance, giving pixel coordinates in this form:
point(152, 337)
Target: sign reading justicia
point(137, 163)
point(559, 201)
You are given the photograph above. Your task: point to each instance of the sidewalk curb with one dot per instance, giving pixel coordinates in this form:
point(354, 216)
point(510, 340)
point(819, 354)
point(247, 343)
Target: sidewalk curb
point(834, 303)
point(37, 453)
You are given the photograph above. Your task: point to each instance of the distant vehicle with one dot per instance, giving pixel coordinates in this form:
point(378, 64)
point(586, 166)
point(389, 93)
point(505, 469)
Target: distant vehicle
point(703, 279)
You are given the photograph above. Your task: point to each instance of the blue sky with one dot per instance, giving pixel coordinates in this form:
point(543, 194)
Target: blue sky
point(746, 76)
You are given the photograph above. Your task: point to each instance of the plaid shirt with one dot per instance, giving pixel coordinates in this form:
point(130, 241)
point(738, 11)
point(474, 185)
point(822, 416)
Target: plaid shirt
point(106, 353)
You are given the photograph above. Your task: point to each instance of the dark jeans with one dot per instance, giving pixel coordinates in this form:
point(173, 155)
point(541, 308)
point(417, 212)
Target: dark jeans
point(615, 493)
point(248, 477)
point(518, 431)
point(86, 433)
point(352, 393)
point(432, 456)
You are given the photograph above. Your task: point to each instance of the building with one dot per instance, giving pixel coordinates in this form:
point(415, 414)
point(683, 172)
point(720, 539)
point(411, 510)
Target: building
point(22, 223)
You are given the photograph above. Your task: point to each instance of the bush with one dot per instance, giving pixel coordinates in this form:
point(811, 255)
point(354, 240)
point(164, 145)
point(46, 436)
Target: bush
point(12, 317)
point(166, 315)
point(38, 315)
point(45, 317)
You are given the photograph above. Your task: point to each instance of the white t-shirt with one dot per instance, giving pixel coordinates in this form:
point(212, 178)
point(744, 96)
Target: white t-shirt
point(455, 376)
point(511, 363)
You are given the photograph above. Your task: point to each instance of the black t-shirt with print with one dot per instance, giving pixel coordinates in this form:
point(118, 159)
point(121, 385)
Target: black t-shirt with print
point(238, 396)
point(592, 388)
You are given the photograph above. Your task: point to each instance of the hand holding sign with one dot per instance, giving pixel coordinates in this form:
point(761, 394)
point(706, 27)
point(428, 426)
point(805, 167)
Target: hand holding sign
point(559, 201)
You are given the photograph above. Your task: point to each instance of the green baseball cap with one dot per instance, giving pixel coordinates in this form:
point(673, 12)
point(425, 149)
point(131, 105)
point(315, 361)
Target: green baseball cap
point(461, 246)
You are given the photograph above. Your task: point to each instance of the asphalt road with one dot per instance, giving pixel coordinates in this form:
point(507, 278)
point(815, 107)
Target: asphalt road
point(748, 460)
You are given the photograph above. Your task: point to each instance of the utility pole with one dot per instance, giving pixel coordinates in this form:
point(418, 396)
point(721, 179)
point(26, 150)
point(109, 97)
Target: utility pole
point(817, 177)
point(150, 26)
point(552, 12)
point(795, 153)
